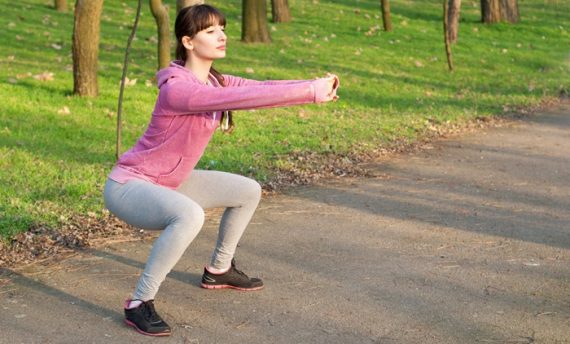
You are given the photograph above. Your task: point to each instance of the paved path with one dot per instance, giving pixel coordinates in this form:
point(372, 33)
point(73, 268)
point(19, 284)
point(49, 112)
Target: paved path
point(466, 242)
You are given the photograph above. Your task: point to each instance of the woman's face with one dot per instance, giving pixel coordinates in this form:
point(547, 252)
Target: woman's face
point(208, 44)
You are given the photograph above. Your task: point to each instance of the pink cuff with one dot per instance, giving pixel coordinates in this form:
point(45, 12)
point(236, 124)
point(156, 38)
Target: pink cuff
point(321, 90)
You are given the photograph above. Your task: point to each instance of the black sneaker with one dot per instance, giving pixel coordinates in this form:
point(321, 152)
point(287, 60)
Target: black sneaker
point(233, 279)
point(145, 320)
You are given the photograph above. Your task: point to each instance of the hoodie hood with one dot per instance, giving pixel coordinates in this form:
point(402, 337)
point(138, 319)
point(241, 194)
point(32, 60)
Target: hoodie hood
point(176, 69)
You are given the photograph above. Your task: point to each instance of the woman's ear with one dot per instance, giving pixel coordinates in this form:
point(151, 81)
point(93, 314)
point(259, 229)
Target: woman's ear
point(187, 43)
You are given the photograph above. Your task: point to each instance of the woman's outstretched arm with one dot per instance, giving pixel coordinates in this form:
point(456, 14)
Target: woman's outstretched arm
point(187, 97)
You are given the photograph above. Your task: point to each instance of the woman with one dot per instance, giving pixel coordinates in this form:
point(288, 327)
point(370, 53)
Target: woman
point(154, 184)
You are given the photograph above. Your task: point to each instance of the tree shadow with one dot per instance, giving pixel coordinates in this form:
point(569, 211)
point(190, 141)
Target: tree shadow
point(184, 277)
point(42, 288)
point(487, 200)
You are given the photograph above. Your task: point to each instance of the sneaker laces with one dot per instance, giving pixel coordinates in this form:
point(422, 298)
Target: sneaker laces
point(150, 312)
point(239, 272)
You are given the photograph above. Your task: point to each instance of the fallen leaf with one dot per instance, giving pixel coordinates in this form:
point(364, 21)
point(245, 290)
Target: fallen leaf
point(129, 82)
point(249, 70)
point(11, 58)
point(418, 63)
point(56, 46)
point(45, 76)
point(372, 30)
point(148, 83)
point(23, 75)
point(64, 111)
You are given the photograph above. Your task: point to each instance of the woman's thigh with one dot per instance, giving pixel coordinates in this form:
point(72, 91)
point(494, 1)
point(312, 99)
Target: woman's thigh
point(146, 205)
point(214, 189)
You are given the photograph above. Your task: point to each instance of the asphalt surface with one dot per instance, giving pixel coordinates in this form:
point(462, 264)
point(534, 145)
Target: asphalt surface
point(467, 241)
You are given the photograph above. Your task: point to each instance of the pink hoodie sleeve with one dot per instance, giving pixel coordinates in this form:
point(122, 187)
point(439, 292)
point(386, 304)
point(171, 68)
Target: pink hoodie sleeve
point(186, 97)
point(231, 81)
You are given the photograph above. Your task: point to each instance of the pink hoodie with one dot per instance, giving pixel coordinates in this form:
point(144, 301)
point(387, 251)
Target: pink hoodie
point(186, 114)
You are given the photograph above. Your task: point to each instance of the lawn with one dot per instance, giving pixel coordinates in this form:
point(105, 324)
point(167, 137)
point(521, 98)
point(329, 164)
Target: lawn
point(56, 149)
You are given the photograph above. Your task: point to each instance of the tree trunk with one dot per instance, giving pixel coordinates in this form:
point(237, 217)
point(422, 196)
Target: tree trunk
point(386, 17)
point(510, 11)
point(490, 11)
point(280, 11)
point(494, 11)
point(446, 35)
point(454, 7)
point(85, 47)
point(180, 4)
point(60, 5)
point(160, 13)
point(254, 22)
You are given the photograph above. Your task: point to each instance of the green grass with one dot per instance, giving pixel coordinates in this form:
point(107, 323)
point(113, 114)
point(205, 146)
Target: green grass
point(53, 165)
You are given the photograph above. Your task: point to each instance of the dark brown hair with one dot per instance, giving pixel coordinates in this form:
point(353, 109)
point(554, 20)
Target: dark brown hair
point(190, 21)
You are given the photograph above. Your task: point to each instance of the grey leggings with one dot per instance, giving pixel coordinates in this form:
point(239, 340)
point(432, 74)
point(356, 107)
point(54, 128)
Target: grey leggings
point(180, 213)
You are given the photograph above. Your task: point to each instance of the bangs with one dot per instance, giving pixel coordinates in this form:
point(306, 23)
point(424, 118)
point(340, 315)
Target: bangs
point(208, 18)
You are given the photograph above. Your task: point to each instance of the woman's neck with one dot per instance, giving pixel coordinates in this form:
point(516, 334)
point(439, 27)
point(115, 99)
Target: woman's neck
point(200, 68)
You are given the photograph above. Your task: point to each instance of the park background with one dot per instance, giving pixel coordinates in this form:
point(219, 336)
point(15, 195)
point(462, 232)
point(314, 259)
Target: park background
point(56, 148)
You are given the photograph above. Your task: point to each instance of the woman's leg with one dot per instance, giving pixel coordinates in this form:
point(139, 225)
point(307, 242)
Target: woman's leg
point(239, 195)
point(149, 206)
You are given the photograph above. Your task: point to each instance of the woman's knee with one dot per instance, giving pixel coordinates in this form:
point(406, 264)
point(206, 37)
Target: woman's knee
point(252, 190)
point(191, 215)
